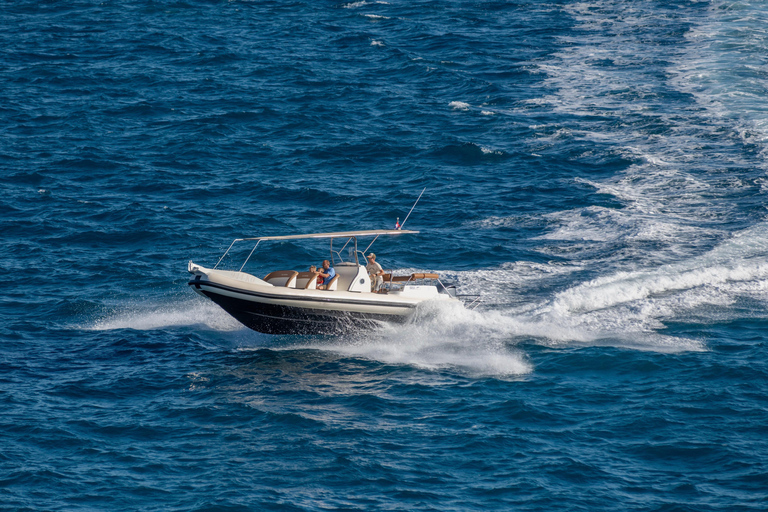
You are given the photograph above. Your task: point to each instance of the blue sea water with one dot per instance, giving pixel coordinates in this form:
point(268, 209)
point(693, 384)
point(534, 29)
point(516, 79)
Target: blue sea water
point(597, 170)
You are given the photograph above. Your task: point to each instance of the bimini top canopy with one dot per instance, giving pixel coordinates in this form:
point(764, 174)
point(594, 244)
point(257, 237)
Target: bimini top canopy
point(350, 235)
point(342, 234)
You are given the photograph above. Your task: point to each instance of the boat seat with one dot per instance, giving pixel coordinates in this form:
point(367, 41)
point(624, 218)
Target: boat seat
point(389, 278)
point(307, 280)
point(285, 278)
point(332, 284)
point(425, 276)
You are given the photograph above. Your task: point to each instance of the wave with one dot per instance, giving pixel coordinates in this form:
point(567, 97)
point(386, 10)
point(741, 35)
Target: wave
point(469, 153)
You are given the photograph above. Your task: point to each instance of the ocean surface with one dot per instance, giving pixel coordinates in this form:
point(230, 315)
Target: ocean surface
point(596, 170)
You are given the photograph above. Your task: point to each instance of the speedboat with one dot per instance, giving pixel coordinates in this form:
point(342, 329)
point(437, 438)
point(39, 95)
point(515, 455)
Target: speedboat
point(288, 301)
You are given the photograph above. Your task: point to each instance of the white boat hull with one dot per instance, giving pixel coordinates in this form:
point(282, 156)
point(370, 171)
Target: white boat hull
point(282, 310)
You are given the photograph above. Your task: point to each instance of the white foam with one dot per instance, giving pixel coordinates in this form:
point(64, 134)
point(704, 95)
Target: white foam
point(442, 335)
point(595, 227)
point(638, 287)
point(459, 105)
point(169, 313)
point(608, 70)
point(680, 190)
point(509, 286)
point(355, 5)
point(491, 151)
point(627, 308)
point(718, 68)
point(494, 222)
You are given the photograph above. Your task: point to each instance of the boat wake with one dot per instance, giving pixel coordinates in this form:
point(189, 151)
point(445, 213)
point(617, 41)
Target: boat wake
point(443, 335)
point(165, 314)
point(623, 309)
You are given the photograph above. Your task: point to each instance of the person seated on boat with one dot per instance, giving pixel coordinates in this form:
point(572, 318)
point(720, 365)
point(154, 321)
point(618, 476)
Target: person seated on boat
point(313, 268)
point(375, 272)
point(327, 273)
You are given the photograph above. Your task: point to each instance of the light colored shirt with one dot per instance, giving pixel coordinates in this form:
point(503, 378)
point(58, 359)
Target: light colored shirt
point(377, 281)
point(373, 267)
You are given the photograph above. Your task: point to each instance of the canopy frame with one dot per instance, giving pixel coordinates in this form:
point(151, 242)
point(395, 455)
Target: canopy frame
point(340, 234)
point(349, 235)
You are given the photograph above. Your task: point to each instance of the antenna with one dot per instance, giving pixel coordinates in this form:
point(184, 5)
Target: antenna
point(412, 207)
point(398, 220)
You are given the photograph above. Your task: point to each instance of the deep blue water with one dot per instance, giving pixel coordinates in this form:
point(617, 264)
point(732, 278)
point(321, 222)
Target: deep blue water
point(596, 170)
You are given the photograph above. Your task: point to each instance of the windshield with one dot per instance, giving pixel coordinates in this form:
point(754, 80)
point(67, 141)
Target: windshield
point(344, 250)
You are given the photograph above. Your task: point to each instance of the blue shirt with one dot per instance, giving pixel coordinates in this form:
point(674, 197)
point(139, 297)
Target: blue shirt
point(331, 273)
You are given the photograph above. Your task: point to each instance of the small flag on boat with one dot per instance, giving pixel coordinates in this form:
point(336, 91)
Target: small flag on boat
point(397, 224)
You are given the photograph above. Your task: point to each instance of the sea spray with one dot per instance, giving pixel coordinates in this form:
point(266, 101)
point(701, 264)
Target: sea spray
point(173, 312)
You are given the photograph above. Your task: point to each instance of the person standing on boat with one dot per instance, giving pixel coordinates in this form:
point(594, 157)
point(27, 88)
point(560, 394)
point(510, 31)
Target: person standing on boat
point(376, 273)
point(327, 273)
